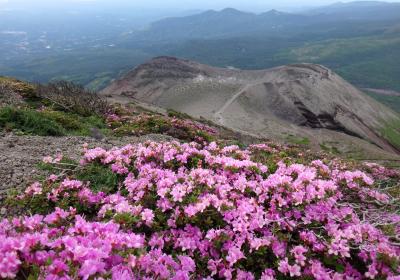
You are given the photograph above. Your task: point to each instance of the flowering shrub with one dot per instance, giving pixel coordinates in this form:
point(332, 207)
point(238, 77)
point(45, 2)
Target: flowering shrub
point(184, 211)
point(145, 123)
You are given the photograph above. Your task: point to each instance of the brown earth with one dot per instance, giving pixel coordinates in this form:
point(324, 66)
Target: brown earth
point(20, 155)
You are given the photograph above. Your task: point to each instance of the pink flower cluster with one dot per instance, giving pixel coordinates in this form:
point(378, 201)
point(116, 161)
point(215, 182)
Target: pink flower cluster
point(49, 159)
point(114, 121)
point(184, 211)
point(382, 172)
point(179, 123)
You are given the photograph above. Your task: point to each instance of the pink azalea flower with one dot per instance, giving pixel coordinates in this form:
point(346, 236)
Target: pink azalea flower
point(148, 216)
point(90, 268)
point(234, 254)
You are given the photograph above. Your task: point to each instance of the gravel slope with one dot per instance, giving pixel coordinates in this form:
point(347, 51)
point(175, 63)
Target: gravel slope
point(19, 155)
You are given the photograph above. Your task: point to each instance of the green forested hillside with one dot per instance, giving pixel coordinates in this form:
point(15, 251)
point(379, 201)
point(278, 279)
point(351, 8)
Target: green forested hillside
point(365, 61)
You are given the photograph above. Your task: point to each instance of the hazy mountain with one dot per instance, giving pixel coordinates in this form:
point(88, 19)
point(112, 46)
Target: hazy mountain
point(360, 10)
point(225, 23)
point(95, 48)
point(232, 23)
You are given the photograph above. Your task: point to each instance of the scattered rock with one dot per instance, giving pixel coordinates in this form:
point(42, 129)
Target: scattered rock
point(18, 165)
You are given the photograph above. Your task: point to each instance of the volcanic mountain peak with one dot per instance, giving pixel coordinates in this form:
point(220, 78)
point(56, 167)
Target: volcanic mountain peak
point(307, 100)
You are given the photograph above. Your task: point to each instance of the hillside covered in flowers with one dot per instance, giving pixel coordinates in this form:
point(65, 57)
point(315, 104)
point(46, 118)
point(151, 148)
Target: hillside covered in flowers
point(197, 203)
point(204, 211)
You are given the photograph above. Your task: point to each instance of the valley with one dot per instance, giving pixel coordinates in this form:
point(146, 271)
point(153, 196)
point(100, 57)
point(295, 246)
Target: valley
point(184, 140)
point(363, 49)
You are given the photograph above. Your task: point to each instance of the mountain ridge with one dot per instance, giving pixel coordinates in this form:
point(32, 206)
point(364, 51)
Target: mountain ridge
point(359, 10)
point(294, 99)
point(240, 20)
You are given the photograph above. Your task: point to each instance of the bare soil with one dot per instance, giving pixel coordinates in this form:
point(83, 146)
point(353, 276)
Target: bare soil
point(20, 155)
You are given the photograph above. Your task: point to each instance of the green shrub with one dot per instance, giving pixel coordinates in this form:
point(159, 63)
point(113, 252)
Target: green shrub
point(179, 115)
point(100, 177)
point(205, 136)
point(67, 121)
point(48, 123)
point(29, 121)
point(75, 124)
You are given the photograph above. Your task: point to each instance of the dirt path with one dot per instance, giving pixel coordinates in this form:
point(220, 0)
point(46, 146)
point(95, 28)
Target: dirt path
point(382, 91)
point(218, 115)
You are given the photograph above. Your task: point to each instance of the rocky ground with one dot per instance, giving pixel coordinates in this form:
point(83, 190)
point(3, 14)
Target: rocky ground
point(305, 100)
point(20, 155)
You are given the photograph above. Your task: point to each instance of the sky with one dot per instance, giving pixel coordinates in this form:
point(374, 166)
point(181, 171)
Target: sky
point(178, 5)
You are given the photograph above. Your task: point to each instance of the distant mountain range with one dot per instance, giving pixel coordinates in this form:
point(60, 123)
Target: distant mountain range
point(359, 40)
point(360, 10)
point(225, 23)
point(231, 22)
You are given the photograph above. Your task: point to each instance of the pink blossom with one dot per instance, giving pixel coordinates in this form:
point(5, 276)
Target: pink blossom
point(148, 216)
point(90, 268)
point(189, 211)
point(9, 264)
point(234, 254)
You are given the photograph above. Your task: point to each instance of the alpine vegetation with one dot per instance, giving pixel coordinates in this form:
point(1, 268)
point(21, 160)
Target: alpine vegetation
point(193, 211)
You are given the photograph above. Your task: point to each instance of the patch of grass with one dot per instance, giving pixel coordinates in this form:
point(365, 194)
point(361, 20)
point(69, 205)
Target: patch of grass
point(369, 61)
point(391, 132)
point(392, 102)
point(67, 121)
point(75, 124)
point(302, 141)
point(265, 158)
point(205, 136)
point(30, 122)
point(51, 168)
point(326, 147)
point(101, 178)
point(48, 122)
point(179, 115)
point(147, 125)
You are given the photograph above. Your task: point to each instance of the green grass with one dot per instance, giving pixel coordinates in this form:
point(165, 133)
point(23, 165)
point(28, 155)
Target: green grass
point(75, 124)
point(101, 178)
point(30, 122)
point(364, 61)
point(326, 147)
point(338, 48)
point(392, 133)
point(302, 141)
point(179, 115)
point(48, 123)
point(390, 101)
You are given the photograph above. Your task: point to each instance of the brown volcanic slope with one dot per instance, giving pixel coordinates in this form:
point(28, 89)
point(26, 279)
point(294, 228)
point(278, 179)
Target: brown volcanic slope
point(302, 100)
